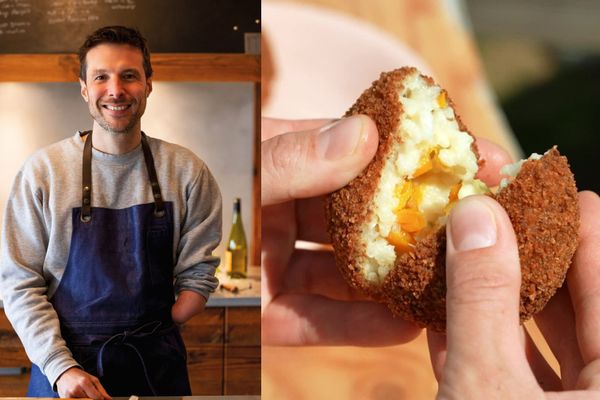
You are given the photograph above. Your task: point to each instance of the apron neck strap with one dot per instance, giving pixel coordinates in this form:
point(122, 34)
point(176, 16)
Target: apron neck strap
point(159, 206)
point(86, 178)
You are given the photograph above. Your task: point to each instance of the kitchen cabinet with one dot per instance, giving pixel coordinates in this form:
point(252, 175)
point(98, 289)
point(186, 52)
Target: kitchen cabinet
point(223, 345)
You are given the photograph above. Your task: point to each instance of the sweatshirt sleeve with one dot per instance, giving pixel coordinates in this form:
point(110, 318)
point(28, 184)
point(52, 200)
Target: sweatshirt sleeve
point(22, 283)
point(200, 235)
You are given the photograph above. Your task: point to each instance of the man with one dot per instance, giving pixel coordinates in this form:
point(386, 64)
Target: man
point(101, 230)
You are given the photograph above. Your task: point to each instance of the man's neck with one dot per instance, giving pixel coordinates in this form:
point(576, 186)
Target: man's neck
point(115, 143)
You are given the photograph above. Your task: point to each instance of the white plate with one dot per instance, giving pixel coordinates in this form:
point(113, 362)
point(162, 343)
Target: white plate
point(324, 60)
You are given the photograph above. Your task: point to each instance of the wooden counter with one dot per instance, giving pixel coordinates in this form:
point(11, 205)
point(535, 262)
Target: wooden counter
point(223, 345)
point(163, 398)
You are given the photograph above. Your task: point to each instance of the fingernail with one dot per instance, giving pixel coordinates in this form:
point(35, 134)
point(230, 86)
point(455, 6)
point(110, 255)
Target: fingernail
point(472, 225)
point(340, 139)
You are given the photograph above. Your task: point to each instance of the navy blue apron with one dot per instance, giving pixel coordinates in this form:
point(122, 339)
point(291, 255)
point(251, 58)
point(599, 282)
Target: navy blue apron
point(115, 297)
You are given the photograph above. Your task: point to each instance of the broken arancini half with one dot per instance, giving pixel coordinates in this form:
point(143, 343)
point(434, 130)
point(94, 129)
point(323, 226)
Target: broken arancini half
point(388, 224)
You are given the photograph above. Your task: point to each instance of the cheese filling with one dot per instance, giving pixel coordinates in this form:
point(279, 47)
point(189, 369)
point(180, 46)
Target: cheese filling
point(512, 170)
point(430, 168)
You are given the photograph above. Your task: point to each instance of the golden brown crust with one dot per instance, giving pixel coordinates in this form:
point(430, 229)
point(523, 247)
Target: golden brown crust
point(543, 207)
point(348, 208)
point(541, 203)
point(416, 287)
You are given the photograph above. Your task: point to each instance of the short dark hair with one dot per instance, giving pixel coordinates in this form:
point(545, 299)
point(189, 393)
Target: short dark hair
point(116, 35)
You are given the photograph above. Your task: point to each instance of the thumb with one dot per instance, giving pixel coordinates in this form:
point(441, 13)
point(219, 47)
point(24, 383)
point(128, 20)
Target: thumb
point(483, 279)
point(318, 161)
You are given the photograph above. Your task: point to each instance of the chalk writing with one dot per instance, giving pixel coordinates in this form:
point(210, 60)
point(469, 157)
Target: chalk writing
point(15, 14)
point(14, 8)
point(72, 11)
point(60, 26)
point(121, 4)
point(13, 27)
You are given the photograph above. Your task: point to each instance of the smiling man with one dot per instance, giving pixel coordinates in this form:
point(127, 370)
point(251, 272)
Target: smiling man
point(102, 230)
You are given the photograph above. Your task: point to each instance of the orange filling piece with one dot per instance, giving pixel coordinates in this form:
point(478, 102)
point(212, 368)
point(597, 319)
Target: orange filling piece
point(425, 167)
point(441, 99)
point(402, 241)
point(453, 196)
point(410, 220)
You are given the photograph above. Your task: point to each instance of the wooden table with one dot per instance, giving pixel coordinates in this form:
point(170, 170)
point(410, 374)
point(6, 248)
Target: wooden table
point(159, 398)
point(350, 373)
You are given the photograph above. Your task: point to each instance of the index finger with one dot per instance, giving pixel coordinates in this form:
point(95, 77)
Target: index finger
point(494, 157)
point(103, 391)
point(94, 389)
point(308, 320)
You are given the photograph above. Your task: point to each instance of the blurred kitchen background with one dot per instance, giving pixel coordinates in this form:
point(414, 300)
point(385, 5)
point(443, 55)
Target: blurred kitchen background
point(542, 59)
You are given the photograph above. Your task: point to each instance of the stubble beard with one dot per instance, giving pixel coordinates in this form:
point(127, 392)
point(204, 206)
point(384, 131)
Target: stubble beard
point(122, 131)
point(104, 124)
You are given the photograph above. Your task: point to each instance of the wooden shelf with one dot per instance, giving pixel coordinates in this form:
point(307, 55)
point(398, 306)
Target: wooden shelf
point(172, 67)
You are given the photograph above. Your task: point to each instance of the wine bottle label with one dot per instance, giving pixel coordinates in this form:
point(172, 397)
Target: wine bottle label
point(228, 264)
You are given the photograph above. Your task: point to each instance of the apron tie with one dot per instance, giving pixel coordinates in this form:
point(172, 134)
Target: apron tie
point(145, 330)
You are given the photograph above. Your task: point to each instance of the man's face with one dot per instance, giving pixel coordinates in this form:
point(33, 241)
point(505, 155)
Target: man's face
point(116, 87)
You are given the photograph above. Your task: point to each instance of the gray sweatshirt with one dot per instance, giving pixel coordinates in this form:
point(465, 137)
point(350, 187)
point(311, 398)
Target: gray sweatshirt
point(36, 232)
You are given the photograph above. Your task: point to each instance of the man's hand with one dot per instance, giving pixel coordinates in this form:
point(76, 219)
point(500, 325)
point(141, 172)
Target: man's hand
point(75, 382)
point(304, 297)
point(484, 353)
point(188, 304)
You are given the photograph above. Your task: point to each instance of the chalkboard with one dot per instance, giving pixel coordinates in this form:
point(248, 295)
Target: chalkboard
point(171, 26)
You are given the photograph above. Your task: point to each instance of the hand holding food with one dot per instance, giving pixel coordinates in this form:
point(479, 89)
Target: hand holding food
point(306, 300)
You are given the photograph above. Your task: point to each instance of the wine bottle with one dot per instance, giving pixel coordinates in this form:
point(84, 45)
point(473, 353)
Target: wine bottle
point(236, 254)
